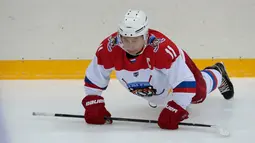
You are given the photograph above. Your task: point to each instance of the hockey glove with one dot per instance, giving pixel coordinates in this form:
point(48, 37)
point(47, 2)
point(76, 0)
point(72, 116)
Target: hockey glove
point(95, 110)
point(171, 116)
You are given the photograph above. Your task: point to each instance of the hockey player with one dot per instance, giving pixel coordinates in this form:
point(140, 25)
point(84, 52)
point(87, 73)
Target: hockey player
point(149, 65)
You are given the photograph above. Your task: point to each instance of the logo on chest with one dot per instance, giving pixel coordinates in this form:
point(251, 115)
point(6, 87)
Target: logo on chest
point(143, 89)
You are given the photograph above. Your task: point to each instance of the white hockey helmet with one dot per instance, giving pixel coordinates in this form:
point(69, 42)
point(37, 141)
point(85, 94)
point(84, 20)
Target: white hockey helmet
point(134, 24)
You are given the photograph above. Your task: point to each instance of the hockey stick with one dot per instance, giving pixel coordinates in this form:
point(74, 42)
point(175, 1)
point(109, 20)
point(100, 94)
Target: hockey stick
point(221, 131)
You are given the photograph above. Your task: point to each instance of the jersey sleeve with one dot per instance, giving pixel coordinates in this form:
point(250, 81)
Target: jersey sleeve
point(181, 79)
point(98, 72)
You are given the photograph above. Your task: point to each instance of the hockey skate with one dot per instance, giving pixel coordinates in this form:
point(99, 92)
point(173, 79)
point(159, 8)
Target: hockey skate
point(226, 88)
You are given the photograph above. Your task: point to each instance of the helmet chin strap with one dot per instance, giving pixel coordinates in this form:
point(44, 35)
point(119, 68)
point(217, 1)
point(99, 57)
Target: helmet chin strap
point(144, 46)
point(138, 53)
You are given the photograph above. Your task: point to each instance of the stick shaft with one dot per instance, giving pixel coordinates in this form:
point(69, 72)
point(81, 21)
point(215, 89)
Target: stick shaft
point(117, 119)
point(153, 121)
point(68, 115)
point(57, 115)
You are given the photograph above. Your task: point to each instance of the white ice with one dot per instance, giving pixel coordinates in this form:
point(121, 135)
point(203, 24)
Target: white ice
point(19, 98)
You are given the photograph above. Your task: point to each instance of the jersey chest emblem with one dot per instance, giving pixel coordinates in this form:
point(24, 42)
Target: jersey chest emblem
point(143, 89)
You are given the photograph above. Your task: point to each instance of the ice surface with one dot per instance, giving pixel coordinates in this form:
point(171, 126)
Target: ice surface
point(19, 98)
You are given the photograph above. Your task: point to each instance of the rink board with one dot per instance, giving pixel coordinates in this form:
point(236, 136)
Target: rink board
point(75, 69)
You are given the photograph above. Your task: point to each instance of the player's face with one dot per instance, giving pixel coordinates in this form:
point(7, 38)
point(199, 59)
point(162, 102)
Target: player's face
point(133, 45)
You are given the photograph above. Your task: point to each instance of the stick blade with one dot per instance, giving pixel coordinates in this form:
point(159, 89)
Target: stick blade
point(222, 132)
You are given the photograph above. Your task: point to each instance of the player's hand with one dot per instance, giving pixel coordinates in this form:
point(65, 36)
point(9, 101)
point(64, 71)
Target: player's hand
point(171, 116)
point(95, 110)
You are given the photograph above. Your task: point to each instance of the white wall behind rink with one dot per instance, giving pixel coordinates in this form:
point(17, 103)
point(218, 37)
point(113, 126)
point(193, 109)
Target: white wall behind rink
point(67, 29)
